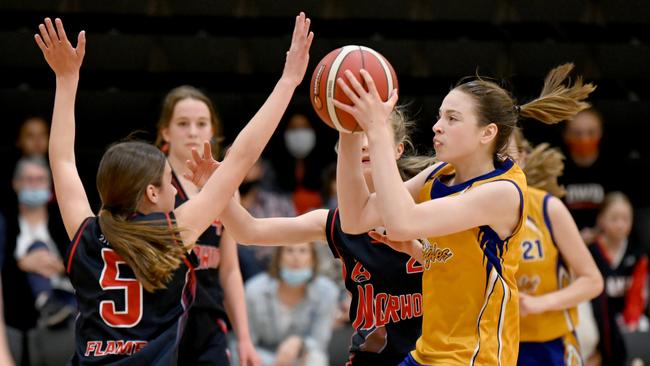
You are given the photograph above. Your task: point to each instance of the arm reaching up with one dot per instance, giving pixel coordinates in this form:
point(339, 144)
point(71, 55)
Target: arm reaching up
point(196, 214)
point(65, 60)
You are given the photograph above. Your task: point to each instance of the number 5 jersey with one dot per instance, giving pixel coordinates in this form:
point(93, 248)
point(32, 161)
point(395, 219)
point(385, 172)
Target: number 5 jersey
point(120, 323)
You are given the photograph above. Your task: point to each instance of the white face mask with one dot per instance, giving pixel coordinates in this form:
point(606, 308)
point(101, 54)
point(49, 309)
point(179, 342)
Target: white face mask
point(300, 141)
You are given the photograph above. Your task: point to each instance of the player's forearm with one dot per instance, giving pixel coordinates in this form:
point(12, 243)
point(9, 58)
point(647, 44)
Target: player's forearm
point(351, 188)
point(62, 134)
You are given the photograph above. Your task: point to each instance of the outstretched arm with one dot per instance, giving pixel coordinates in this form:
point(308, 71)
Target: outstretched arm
point(65, 61)
point(588, 282)
point(196, 214)
point(245, 228)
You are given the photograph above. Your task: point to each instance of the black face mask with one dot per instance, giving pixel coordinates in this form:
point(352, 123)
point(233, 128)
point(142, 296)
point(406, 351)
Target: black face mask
point(246, 187)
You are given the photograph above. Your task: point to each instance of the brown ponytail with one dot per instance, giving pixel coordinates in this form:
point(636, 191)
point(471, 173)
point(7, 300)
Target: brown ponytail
point(558, 102)
point(149, 248)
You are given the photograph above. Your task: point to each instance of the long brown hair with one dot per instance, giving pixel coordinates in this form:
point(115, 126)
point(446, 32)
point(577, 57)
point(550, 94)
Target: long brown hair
point(544, 165)
point(557, 102)
point(169, 103)
point(149, 248)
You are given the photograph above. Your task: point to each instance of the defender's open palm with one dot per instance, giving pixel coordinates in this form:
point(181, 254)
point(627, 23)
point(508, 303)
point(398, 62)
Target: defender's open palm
point(201, 167)
point(64, 59)
point(297, 60)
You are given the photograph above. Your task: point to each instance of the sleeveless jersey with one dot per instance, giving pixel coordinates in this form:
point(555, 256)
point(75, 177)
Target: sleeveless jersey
point(542, 270)
point(119, 323)
point(471, 305)
point(386, 289)
point(207, 318)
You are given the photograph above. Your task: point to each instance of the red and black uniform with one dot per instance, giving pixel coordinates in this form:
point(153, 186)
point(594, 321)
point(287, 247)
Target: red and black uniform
point(204, 341)
point(624, 299)
point(386, 288)
point(119, 323)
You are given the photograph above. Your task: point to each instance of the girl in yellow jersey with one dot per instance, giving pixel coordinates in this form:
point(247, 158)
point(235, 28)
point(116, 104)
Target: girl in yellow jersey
point(556, 271)
point(471, 208)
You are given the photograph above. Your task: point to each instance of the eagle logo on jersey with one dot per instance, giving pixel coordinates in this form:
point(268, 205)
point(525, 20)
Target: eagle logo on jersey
point(360, 274)
point(528, 285)
point(433, 254)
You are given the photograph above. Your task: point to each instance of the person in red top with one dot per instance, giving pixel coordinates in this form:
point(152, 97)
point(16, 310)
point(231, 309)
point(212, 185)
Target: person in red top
point(621, 307)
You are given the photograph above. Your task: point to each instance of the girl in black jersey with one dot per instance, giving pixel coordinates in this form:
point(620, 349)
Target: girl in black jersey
point(187, 119)
point(134, 281)
point(385, 285)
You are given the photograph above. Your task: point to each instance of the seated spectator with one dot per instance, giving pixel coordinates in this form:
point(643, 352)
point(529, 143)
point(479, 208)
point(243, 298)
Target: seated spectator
point(621, 307)
point(291, 309)
point(36, 252)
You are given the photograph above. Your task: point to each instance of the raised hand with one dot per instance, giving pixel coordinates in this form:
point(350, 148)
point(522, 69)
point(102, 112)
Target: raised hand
point(64, 59)
point(367, 107)
point(201, 167)
point(295, 65)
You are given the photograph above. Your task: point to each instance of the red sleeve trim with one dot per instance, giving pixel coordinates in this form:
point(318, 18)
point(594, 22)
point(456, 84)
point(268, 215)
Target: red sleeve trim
point(636, 297)
point(75, 242)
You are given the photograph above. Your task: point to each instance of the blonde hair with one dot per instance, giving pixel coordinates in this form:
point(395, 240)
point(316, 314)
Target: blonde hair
point(409, 164)
point(544, 165)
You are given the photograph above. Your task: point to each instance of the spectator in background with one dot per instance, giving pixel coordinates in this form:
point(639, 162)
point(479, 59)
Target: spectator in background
point(620, 308)
point(37, 252)
point(586, 173)
point(262, 203)
point(291, 309)
point(33, 137)
point(299, 163)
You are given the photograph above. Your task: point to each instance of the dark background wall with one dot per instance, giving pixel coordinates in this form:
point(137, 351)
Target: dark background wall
point(234, 50)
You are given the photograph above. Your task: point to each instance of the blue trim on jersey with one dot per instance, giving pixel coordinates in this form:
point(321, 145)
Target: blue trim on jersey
point(549, 353)
point(492, 247)
point(439, 189)
point(436, 170)
point(409, 361)
point(547, 218)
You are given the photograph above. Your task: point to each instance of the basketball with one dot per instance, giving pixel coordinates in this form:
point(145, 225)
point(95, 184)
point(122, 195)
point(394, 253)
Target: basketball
point(323, 87)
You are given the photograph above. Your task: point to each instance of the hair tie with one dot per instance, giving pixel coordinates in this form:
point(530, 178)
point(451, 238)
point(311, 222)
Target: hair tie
point(517, 109)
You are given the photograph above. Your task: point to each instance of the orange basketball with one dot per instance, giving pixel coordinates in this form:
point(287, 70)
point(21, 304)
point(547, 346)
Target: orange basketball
point(323, 87)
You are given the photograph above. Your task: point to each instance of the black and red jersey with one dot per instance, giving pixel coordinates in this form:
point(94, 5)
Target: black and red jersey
point(386, 288)
point(207, 318)
point(624, 299)
point(120, 323)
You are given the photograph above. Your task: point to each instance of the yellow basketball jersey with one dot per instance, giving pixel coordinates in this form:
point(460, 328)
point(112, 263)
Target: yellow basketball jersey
point(542, 270)
point(470, 298)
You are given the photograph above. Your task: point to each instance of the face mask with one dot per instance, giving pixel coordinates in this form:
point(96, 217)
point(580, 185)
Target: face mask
point(34, 197)
point(300, 141)
point(583, 148)
point(246, 187)
point(295, 277)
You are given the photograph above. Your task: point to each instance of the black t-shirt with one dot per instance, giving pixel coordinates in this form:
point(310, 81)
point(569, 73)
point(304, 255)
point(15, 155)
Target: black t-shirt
point(586, 188)
point(119, 322)
point(386, 288)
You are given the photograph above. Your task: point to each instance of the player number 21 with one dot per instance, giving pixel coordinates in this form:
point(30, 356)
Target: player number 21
point(110, 281)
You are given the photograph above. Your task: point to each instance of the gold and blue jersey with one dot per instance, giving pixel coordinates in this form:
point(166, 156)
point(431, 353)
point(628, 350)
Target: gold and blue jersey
point(542, 270)
point(470, 298)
